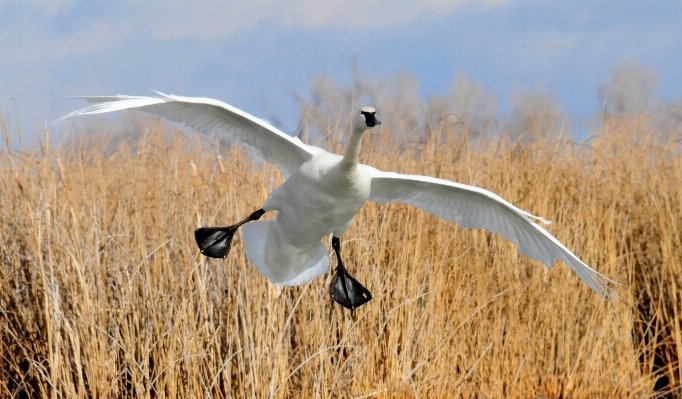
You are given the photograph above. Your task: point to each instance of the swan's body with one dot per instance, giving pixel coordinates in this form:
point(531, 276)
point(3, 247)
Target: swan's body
point(324, 191)
point(322, 187)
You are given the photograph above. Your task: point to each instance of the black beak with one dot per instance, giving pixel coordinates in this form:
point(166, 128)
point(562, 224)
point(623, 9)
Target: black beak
point(372, 120)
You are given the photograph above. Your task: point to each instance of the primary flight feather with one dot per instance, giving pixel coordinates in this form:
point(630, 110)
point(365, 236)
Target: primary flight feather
point(324, 191)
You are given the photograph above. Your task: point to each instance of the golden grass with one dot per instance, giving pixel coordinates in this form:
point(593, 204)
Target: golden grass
point(103, 292)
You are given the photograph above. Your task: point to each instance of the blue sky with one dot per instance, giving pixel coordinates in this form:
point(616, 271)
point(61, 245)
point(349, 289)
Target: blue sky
point(255, 55)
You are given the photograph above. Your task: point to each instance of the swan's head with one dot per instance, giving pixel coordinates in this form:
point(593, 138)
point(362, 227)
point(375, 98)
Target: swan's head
point(365, 119)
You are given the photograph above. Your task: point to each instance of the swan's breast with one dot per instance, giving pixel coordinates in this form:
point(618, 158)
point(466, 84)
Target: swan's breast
point(319, 198)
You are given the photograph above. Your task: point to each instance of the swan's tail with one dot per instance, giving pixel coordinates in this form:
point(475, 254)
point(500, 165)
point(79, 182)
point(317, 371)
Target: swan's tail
point(279, 261)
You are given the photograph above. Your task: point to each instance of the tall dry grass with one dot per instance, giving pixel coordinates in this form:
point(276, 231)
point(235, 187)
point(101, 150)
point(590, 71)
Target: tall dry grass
point(103, 292)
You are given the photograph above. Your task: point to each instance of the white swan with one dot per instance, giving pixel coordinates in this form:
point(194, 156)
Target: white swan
point(324, 191)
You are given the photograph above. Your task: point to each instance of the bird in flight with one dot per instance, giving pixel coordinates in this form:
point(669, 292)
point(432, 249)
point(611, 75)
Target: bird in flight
point(324, 191)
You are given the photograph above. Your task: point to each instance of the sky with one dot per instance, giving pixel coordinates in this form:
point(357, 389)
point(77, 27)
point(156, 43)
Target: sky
point(258, 55)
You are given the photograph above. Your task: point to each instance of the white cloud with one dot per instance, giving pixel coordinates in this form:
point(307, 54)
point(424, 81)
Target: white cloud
point(207, 20)
point(42, 10)
point(35, 30)
point(491, 4)
point(28, 32)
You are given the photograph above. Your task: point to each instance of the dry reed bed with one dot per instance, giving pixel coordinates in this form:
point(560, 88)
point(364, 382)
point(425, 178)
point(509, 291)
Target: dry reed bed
point(103, 292)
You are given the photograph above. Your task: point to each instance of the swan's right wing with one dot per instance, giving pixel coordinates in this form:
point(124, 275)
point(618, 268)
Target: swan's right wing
point(475, 207)
point(207, 115)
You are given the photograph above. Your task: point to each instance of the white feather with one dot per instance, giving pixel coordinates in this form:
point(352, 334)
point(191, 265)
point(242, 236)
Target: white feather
point(207, 115)
point(291, 265)
point(475, 207)
point(324, 191)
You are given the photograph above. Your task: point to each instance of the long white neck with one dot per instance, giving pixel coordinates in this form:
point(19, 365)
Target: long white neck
point(350, 159)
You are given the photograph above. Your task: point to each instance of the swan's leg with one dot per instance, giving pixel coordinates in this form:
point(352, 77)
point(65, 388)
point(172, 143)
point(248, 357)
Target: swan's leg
point(217, 241)
point(345, 289)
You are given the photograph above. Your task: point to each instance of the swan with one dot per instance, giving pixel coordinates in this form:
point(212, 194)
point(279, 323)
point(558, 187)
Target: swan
point(324, 191)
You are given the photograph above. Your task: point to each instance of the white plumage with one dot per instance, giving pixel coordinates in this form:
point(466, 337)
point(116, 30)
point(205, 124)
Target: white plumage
point(324, 191)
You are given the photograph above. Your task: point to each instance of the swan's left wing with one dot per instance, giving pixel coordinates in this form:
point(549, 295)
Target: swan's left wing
point(207, 115)
point(475, 207)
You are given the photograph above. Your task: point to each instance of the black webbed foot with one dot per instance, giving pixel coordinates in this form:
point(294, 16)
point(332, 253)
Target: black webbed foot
point(215, 242)
point(347, 291)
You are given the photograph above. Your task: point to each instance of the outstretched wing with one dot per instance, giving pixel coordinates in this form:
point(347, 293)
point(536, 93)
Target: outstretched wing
point(475, 207)
point(207, 115)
